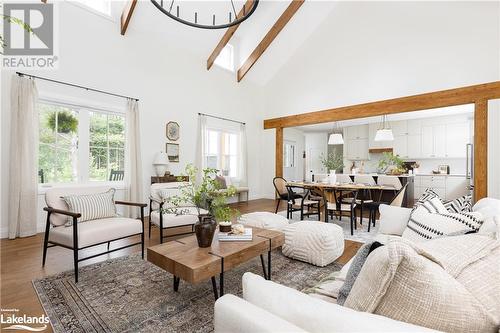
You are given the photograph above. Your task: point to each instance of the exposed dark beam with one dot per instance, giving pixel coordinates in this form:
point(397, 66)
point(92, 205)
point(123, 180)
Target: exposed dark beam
point(127, 15)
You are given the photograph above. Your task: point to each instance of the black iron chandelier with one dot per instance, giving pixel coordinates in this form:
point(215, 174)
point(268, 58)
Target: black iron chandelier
point(175, 12)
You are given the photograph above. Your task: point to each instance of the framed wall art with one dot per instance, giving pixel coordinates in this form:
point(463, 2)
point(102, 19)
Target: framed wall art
point(172, 150)
point(173, 131)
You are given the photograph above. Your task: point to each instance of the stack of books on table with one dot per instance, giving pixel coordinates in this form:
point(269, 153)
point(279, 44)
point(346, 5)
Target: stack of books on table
point(230, 236)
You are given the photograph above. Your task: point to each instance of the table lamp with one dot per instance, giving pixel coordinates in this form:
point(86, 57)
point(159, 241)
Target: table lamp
point(160, 163)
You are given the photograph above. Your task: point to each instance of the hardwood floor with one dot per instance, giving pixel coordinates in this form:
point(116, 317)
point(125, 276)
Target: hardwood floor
point(21, 261)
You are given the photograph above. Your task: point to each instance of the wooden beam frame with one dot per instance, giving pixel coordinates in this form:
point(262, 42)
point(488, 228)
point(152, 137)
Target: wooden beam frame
point(227, 35)
point(477, 95)
point(127, 15)
point(269, 37)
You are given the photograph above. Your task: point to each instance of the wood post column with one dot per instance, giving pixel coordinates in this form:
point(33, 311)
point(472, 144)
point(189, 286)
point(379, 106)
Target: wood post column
point(480, 149)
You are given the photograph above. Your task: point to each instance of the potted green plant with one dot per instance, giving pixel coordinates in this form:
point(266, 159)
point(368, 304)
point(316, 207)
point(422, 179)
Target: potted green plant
point(209, 199)
point(224, 215)
point(332, 162)
point(390, 163)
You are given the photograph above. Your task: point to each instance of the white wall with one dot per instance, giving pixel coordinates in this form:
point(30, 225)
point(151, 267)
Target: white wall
point(171, 85)
point(390, 49)
point(316, 146)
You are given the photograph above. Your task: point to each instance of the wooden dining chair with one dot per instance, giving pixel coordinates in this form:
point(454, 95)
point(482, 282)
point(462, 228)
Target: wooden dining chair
point(345, 204)
point(285, 193)
point(309, 205)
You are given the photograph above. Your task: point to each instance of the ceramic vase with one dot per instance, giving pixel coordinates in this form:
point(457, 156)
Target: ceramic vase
point(332, 177)
point(205, 229)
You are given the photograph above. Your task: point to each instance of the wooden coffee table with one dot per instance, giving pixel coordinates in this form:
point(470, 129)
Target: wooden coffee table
point(185, 260)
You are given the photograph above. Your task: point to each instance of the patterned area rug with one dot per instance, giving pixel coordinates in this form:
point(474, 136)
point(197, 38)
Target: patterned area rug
point(360, 235)
point(129, 294)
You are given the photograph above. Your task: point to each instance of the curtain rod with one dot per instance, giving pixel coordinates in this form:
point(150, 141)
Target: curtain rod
point(221, 118)
point(75, 85)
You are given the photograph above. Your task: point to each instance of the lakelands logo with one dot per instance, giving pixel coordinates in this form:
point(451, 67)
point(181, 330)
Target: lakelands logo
point(28, 37)
point(23, 322)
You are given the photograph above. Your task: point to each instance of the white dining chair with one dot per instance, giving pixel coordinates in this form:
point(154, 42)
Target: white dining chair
point(344, 179)
point(390, 181)
point(364, 179)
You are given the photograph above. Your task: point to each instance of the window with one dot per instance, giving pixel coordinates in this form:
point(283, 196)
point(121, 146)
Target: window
point(222, 152)
point(100, 6)
point(77, 145)
point(289, 155)
point(225, 59)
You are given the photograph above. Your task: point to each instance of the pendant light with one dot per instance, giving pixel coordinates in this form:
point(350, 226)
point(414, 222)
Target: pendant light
point(336, 137)
point(384, 133)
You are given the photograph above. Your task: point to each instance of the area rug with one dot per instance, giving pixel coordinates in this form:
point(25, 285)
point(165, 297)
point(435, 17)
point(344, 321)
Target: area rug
point(129, 294)
point(360, 235)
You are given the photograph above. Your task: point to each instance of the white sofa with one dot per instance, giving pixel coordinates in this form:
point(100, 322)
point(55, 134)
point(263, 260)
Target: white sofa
point(269, 307)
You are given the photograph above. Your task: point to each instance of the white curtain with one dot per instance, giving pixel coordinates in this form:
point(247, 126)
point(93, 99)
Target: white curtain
point(242, 172)
point(200, 162)
point(133, 167)
point(23, 179)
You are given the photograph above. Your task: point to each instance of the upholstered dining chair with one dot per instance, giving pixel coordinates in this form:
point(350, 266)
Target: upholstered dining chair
point(343, 179)
point(372, 207)
point(75, 228)
point(345, 204)
point(390, 181)
point(284, 193)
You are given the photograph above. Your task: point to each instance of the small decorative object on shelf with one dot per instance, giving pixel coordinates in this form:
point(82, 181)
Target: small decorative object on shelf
point(173, 131)
point(209, 201)
point(225, 226)
point(172, 152)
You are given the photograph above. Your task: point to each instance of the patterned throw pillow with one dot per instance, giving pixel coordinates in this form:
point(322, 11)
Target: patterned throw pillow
point(92, 206)
point(425, 225)
point(459, 205)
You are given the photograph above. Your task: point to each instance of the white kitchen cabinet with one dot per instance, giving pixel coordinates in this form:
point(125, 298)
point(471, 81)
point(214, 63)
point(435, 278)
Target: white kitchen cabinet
point(357, 149)
point(399, 127)
point(427, 141)
point(400, 146)
point(434, 141)
point(457, 137)
point(414, 144)
point(456, 187)
point(357, 132)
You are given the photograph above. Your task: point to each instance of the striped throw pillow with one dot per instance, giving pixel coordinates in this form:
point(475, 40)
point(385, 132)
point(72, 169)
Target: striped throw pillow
point(459, 205)
point(425, 224)
point(91, 206)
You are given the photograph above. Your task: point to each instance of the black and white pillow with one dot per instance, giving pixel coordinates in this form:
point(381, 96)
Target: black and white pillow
point(91, 206)
point(425, 225)
point(459, 205)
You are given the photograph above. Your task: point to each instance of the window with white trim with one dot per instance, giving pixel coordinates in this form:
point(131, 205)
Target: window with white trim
point(225, 59)
point(78, 144)
point(222, 151)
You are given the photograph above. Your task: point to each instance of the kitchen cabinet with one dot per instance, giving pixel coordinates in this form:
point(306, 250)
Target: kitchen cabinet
point(434, 141)
point(414, 145)
point(357, 132)
point(446, 186)
point(400, 146)
point(357, 149)
point(399, 127)
point(457, 137)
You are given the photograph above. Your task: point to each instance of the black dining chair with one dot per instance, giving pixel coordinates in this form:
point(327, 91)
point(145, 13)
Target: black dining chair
point(308, 205)
point(372, 207)
point(345, 204)
point(285, 193)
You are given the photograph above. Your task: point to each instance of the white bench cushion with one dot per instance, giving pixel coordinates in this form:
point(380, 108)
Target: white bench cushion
point(173, 220)
point(317, 243)
point(96, 231)
point(264, 220)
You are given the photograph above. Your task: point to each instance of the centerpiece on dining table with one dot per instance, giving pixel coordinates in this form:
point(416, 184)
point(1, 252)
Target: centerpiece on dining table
point(205, 192)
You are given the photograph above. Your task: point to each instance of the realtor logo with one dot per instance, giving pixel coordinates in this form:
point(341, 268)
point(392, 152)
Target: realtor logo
point(28, 38)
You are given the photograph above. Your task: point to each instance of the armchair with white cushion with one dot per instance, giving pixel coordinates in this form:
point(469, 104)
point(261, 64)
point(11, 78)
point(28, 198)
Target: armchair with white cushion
point(64, 226)
point(165, 215)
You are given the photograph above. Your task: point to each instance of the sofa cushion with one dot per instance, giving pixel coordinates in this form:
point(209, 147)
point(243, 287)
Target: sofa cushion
point(53, 199)
point(264, 220)
point(459, 205)
point(189, 216)
point(91, 206)
point(448, 284)
point(317, 243)
point(424, 225)
point(96, 231)
point(393, 219)
point(488, 207)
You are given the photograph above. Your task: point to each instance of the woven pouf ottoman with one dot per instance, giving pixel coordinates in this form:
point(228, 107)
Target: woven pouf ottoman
point(264, 220)
point(317, 243)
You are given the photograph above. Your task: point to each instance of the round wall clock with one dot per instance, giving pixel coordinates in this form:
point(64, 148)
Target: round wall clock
point(173, 131)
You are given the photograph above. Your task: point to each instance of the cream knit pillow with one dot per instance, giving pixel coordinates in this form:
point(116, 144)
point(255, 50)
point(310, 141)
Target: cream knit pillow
point(449, 284)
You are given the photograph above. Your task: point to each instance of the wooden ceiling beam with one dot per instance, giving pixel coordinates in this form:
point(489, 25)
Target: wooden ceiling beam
point(127, 15)
point(228, 34)
point(438, 99)
point(269, 37)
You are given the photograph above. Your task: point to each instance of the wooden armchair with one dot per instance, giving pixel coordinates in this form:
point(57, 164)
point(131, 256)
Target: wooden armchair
point(83, 235)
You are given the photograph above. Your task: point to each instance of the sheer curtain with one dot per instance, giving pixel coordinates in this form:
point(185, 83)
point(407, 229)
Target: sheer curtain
point(200, 162)
point(23, 180)
point(133, 167)
point(243, 163)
